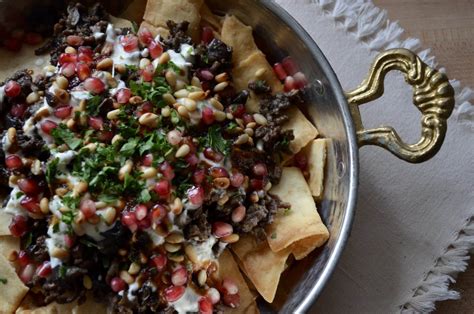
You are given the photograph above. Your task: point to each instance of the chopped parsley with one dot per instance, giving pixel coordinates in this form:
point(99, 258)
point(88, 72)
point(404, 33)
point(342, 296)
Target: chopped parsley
point(93, 105)
point(51, 170)
point(71, 202)
point(68, 217)
point(62, 135)
point(215, 140)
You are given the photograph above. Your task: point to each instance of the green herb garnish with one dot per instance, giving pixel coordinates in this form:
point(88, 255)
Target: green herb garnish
point(93, 105)
point(62, 135)
point(215, 140)
point(51, 170)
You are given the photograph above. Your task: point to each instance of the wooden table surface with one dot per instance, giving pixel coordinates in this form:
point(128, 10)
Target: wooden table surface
point(447, 27)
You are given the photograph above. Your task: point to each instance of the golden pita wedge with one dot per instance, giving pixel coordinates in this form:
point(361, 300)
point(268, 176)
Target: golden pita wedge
point(10, 62)
point(8, 245)
point(134, 11)
point(158, 12)
point(261, 265)
point(238, 36)
point(155, 30)
point(316, 152)
point(5, 220)
point(303, 130)
point(87, 307)
point(119, 22)
point(209, 18)
point(12, 290)
point(228, 268)
point(302, 221)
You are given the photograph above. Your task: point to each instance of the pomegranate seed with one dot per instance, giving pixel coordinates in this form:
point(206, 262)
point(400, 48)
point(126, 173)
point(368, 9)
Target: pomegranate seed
point(248, 118)
point(222, 229)
point(205, 306)
point(18, 110)
point(97, 123)
point(158, 213)
point(208, 116)
point(279, 71)
point(205, 75)
point(148, 72)
point(199, 176)
point(144, 224)
point(218, 172)
point(12, 44)
point(238, 214)
point(31, 204)
point(105, 136)
point(68, 69)
point(85, 50)
point(212, 154)
point(47, 126)
point(229, 286)
point(74, 40)
point(118, 284)
point(231, 300)
point(88, 208)
point(290, 84)
point(27, 273)
point(301, 161)
point(213, 295)
point(300, 80)
point(129, 43)
point(85, 58)
point(123, 95)
point(13, 162)
point(155, 49)
point(67, 58)
point(18, 226)
point(256, 184)
point(141, 211)
point(237, 110)
point(23, 258)
point(33, 39)
point(12, 89)
point(147, 160)
point(207, 34)
point(69, 240)
point(236, 179)
point(167, 171)
point(260, 170)
point(129, 220)
point(174, 293)
point(44, 270)
point(160, 261)
point(145, 36)
point(289, 65)
point(196, 195)
point(83, 71)
point(179, 277)
point(192, 159)
point(63, 112)
point(174, 137)
point(28, 186)
point(94, 85)
point(162, 188)
point(146, 107)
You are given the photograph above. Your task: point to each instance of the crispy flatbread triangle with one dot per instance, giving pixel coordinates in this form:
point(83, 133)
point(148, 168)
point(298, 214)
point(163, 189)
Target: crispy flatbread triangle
point(8, 245)
point(5, 220)
point(228, 268)
point(303, 130)
point(261, 265)
point(316, 152)
point(12, 290)
point(302, 221)
point(10, 62)
point(89, 307)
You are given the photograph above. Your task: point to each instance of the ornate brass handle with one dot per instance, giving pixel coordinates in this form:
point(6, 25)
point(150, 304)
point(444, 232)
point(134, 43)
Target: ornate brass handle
point(432, 95)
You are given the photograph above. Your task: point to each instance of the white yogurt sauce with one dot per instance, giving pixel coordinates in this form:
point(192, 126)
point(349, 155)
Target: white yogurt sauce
point(155, 237)
point(56, 240)
point(188, 303)
point(6, 144)
point(13, 206)
point(204, 251)
point(119, 55)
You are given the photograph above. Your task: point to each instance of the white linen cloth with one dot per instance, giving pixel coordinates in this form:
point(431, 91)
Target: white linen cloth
point(405, 241)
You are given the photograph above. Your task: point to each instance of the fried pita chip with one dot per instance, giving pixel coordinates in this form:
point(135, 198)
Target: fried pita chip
point(228, 268)
point(316, 152)
point(119, 22)
point(158, 12)
point(5, 220)
point(12, 290)
point(10, 62)
point(302, 221)
point(135, 11)
point(209, 18)
point(303, 130)
point(88, 307)
point(163, 32)
point(261, 265)
point(240, 37)
point(8, 245)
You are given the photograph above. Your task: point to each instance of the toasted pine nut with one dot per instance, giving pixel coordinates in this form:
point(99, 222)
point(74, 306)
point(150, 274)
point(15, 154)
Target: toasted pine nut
point(43, 112)
point(120, 68)
point(91, 147)
point(216, 104)
point(251, 125)
point(32, 98)
point(11, 135)
point(230, 238)
point(249, 131)
point(219, 115)
point(260, 119)
point(199, 95)
point(268, 186)
point(62, 254)
point(182, 151)
point(229, 116)
point(171, 78)
point(221, 183)
point(87, 282)
point(70, 123)
point(254, 197)
point(62, 95)
point(260, 72)
point(242, 139)
point(79, 218)
point(36, 167)
point(135, 100)
point(240, 122)
point(82, 105)
point(191, 253)
point(169, 99)
point(144, 62)
point(172, 248)
point(117, 138)
point(189, 104)
point(13, 179)
point(223, 77)
point(109, 215)
point(178, 258)
point(164, 58)
point(113, 114)
point(166, 112)
point(44, 205)
point(196, 82)
point(221, 86)
point(126, 277)
point(149, 119)
point(202, 277)
point(134, 269)
point(80, 187)
point(175, 238)
point(70, 50)
point(105, 64)
point(183, 111)
point(223, 200)
point(126, 169)
point(180, 84)
point(149, 172)
point(49, 69)
point(177, 206)
point(182, 93)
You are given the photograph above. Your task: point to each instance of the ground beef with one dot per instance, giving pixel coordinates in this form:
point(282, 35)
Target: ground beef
point(178, 35)
point(199, 227)
point(32, 146)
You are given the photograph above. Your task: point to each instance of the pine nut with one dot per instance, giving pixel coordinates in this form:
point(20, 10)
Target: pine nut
point(126, 277)
point(240, 122)
point(126, 169)
point(229, 116)
point(13, 179)
point(191, 253)
point(87, 282)
point(180, 84)
point(164, 58)
point(216, 104)
point(32, 98)
point(219, 115)
point(242, 139)
point(260, 72)
point(70, 123)
point(117, 138)
point(260, 119)
point(199, 95)
point(105, 64)
point(91, 147)
point(221, 183)
point(11, 135)
point(249, 132)
point(189, 104)
point(171, 78)
point(149, 119)
point(62, 254)
point(175, 238)
point(169, 99)
point(135, 100)
point(223, 77)
point(254, 197)
point(79, 218)
point(43, 112)
point(177, 206)
point(166, 112)
point(149, 172)
point(183, 111)
point(83, 105)
point(221, 86)
point(80, 188)
point(182, 151)
point(144, 62)
point(233, 238)
point(224, 199)
point(196, 82)
point(113, 114)
point(172, 248)
point(251, 125)
point(44, 205)
point(182, 93)
point(62, 95)
point(202, 277)
point(176, 258)
point(70, 50)
point(109, 215)
point(49, 69)
point(268, 186)
point(134, 269)
point(36, 167)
